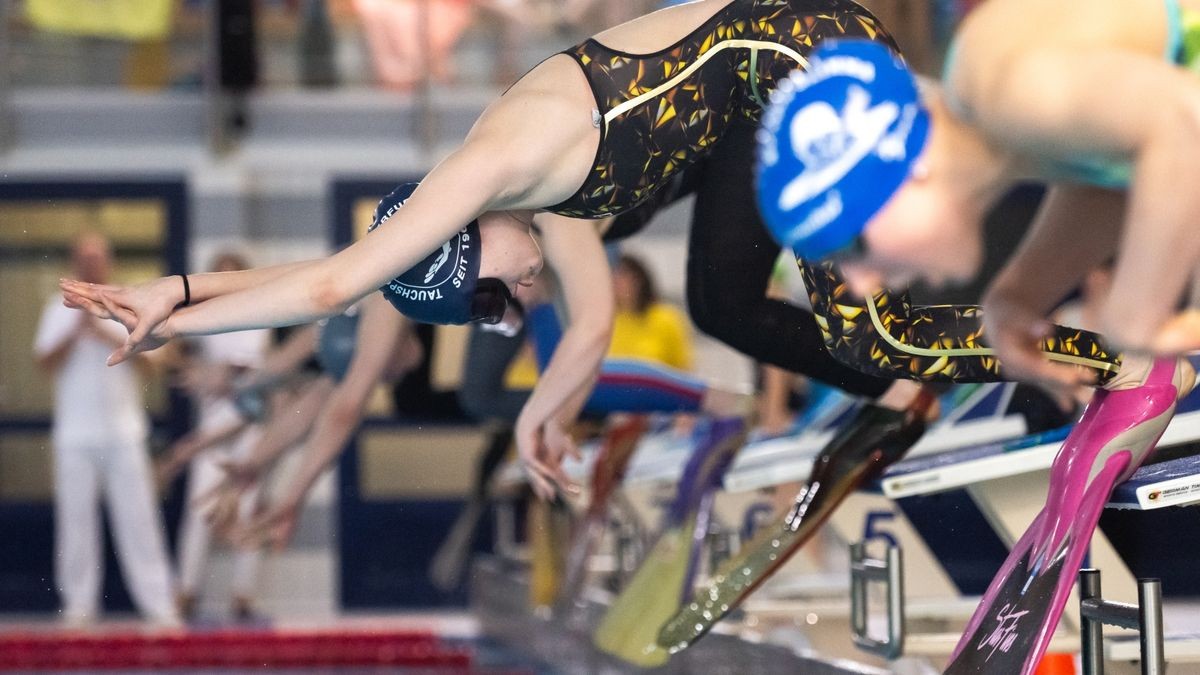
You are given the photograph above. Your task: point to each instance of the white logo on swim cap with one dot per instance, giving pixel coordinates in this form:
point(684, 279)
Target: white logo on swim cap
point(830, 145)
point(437, 264)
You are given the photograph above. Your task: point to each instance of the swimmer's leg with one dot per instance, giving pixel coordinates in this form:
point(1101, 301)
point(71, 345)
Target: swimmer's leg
point(890, 337)
point(730, 259)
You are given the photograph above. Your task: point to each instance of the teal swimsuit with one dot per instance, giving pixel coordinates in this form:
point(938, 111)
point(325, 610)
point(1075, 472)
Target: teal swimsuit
point(1183, 49)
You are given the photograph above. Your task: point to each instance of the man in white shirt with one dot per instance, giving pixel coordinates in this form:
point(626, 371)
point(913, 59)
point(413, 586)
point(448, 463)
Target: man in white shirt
point(99, 438)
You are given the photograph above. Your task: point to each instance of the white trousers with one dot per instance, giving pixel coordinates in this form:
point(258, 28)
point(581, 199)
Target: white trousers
point(119, 470)
point(195, 536)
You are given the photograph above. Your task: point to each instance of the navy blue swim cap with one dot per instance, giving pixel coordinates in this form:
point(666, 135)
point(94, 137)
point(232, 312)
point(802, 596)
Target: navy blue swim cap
point(837, 141)
point(440, 288)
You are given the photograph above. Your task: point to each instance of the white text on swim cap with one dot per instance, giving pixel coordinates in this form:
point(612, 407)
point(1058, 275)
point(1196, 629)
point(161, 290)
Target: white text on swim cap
point(819, 217)
point(415, 294)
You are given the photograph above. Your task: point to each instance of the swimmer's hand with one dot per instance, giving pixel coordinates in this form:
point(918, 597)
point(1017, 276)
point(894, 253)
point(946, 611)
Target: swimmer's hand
point(1016, 332)
point(542, 447)
point(273, 528)
point(1180, 334)
point(144, 310)
point(221, 505)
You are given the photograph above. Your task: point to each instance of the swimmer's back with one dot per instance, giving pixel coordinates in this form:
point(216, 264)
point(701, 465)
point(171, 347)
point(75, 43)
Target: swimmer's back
point(980, 64)
point(982, 53)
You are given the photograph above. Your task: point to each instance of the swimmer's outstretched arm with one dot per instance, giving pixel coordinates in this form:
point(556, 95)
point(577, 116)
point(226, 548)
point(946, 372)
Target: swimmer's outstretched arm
point(285, 359)
point(520, 155)
point(573, 248)
point(456, 192)
point(158, 298)
point(379, 333)
point(433, 214)
point(1063, 101)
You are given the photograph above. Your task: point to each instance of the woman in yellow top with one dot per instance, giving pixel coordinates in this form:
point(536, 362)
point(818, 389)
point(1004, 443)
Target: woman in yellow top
point(645, 328)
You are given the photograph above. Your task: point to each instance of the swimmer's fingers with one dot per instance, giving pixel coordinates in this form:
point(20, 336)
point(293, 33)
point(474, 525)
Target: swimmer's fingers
point(529, 446)
point(120, 314)
point(252, 534)
point(138, 341)
point(1019, 347)
point(549, 479)
point(564, 482)
point(79, 302)
point(273, 529)
point(560, 442)
point(85, 290)
point(1035, 366)
point(281, 529)
point(540, 479)
point(206, 501)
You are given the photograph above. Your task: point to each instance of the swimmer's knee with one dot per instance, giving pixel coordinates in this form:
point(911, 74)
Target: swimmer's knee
point(708, 317)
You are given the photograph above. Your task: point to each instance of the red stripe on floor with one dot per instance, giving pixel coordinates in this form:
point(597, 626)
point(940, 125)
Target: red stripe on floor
point(245, 649)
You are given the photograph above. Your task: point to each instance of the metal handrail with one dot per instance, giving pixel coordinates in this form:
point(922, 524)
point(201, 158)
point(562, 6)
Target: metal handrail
point(889, 572)
point(1144, 617)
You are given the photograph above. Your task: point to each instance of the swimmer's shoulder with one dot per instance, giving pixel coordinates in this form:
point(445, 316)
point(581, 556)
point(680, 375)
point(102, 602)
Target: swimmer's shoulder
point(541, 133)
point(1138, 25)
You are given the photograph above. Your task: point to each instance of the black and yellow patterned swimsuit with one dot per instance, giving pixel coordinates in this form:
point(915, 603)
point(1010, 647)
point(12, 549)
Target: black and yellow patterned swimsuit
point(889, 336)
point(660, 112)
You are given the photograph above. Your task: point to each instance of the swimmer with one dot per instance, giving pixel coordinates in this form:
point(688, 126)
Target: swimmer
point(356, 350)
point(584, 135)
point(569, 142)
point(1100, 99)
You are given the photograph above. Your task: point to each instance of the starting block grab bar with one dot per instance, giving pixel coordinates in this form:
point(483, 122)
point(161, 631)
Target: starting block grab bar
point(889, 572)
point(1144, 617)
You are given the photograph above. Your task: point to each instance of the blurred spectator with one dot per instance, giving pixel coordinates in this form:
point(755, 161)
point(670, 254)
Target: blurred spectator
point(133, 20)
point(209, 377)
point(99, 436)
point(593, 16)
point(645, 328)
point(403, 41)
point(316, 45)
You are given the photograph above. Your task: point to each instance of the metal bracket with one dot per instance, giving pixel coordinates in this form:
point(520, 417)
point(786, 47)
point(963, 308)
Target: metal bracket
point(1144, 617)
point(889, 572)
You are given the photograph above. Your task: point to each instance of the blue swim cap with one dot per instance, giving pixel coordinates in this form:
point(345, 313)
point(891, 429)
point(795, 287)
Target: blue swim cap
point(440, 288)
point(838, 139)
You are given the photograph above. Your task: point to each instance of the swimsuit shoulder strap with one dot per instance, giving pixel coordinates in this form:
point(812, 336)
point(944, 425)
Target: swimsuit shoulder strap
point(1174, 31)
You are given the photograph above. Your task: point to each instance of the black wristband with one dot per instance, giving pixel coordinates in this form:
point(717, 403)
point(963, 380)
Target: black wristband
point(187, 292)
